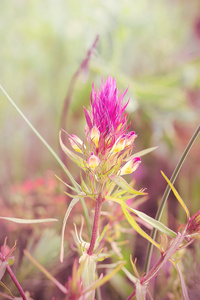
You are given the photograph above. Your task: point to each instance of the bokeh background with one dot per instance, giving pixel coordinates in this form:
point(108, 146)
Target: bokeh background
point(151, 46)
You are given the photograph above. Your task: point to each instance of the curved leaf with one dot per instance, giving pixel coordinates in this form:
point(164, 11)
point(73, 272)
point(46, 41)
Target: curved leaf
point(178, 197)
point(74, 157)
point(154, 223)
point(121, 182)
point(72, 203)
point(137, 227)
point(28, 221)
point(143, 152)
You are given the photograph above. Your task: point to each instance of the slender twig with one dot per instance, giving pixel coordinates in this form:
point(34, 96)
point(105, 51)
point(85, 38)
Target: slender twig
point(83, 67)
point(166, 194)
point(14, 279)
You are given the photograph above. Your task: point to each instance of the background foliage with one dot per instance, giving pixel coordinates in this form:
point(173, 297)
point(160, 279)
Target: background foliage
point(152, 46)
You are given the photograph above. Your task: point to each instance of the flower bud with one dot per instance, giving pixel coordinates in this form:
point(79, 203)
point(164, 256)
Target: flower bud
point(95, 135)
point(130, 166)
point(76, 143)
point(93, 161)
point(131, 138)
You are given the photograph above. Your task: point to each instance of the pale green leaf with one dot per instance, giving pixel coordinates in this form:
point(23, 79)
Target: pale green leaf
point(47, 274)
point(74, 157)
point(40, 137)
point(154, 223)
point(106, 278)
point(142, 153)
point(7, 289)
point(72, 203)
point(28, 221)
point(137, 227)
point(121, 182)
point(69, 186)
point(130, 276)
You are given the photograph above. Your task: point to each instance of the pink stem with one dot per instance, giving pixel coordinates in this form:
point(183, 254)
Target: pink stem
point(95, 225)
point(16, 282)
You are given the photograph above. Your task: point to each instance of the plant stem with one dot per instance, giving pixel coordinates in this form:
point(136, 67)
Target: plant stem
point(166, 194)
point(95, 228)
point(14, 279)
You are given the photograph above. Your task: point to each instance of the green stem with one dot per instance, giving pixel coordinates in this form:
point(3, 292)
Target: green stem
point(75, 184)
point(166, 194)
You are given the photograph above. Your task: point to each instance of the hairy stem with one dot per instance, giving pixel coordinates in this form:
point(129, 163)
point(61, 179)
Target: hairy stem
point(95, 228)
point(14, 279)
point(166, 194)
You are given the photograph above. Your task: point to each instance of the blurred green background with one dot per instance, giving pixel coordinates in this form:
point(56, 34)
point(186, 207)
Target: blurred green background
point(151, 46)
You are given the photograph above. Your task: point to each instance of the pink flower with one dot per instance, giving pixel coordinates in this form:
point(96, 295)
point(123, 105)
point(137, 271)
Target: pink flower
point(107, 143)
point(107, 115)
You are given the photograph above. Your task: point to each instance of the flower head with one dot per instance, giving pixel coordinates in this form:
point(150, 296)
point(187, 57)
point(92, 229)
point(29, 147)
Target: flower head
point(107, 114)
point(108, 143)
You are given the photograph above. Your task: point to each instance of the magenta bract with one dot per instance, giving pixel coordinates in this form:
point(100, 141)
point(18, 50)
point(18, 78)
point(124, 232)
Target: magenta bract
point(107, 113)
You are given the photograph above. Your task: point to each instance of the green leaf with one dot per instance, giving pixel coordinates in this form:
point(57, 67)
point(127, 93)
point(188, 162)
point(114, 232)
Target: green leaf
point(106, 278)
point(41, 138)
point(7, 289)
point(74, 157)
point(130, 276)
point(72, 203)
point(133, 223)
point(121, 182)
point(47, 274)
point(69, 186)
point(178, 197)
point(143, 152)
point(156, 224)
point(28, 221)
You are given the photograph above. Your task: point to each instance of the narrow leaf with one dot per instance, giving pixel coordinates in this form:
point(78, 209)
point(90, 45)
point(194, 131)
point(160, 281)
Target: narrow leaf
point(143, 152)
point(178, 197)
point(74, 157)
point(69, 186)
point(41, 138)
point(130, 276)
point(121, 182)
point(156, 224)
point(47, 274)
point(183, 285)
point(137, 227)
point(72, 203)
point(106, 278)
point(7, 289)
point(28, 221)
